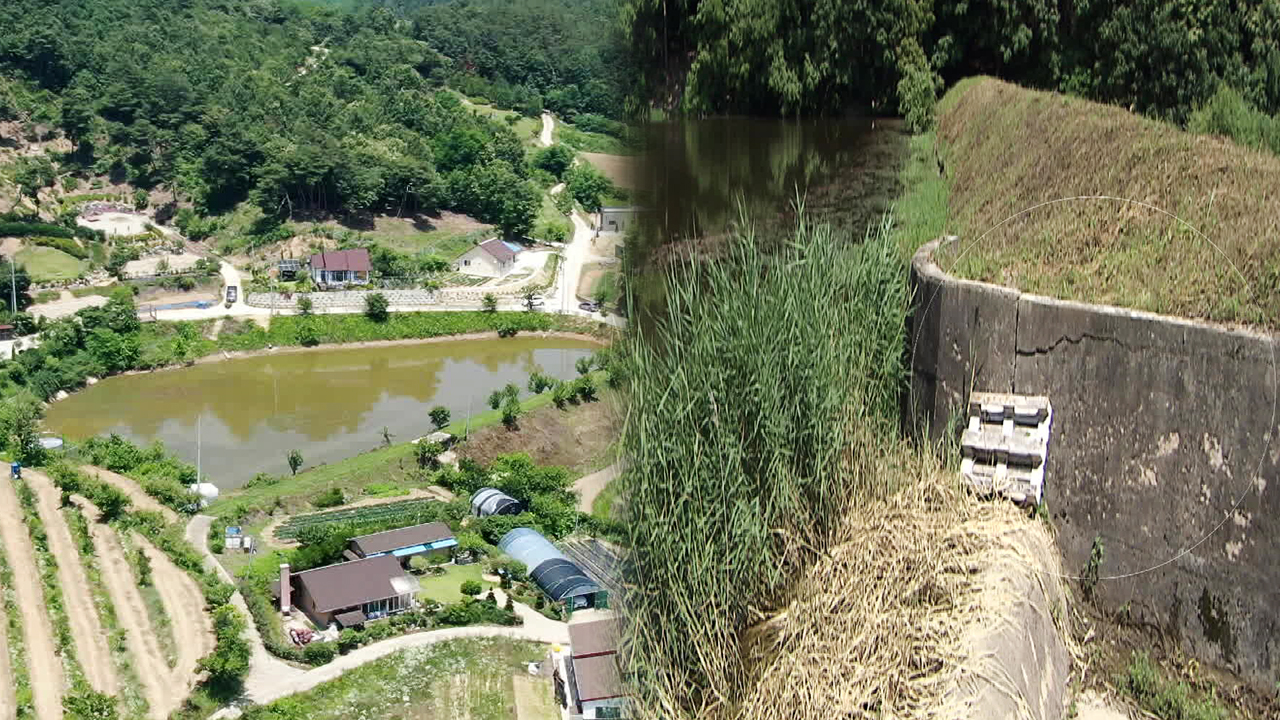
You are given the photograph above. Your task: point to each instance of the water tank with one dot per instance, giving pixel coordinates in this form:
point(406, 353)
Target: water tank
point(50, 443)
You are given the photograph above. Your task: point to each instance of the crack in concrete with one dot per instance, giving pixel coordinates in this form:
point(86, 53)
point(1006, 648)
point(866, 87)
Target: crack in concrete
point(1070, 341)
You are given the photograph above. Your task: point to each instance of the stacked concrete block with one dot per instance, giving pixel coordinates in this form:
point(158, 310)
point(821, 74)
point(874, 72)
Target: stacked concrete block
point(1006, 444)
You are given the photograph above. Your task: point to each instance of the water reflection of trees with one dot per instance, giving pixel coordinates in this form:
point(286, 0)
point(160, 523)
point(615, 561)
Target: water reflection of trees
point(316, 396)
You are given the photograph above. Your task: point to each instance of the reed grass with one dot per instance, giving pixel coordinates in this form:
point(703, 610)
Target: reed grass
point(762, 398)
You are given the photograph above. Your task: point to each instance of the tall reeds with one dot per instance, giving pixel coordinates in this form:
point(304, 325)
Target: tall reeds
point(763, 397)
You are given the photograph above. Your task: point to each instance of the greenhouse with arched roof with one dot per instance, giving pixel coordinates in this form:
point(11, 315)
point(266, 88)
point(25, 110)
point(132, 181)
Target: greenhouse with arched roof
point(556, 575)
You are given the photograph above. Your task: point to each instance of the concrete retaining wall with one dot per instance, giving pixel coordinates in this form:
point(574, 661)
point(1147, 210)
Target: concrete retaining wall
point(1163, 445)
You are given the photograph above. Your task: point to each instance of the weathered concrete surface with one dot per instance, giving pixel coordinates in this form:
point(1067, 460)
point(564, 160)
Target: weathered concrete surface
point(1163, 446)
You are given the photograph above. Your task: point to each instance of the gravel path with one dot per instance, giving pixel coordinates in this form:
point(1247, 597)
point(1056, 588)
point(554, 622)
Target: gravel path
point(149, 663)
point(184, 604)
point(137, 496)
point(86, 628)
point(43, 662)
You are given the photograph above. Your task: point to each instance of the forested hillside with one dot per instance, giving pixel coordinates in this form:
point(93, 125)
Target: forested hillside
point(1160, 57)
point(293, 106)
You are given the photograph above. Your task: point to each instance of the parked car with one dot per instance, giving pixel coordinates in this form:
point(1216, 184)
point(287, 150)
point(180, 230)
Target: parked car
point(589, 306)
point(232, 292)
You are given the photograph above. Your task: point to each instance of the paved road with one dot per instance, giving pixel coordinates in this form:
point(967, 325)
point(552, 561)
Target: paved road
point(548, 125)
point(267, 673)
point(589, 486)
point(270, 678)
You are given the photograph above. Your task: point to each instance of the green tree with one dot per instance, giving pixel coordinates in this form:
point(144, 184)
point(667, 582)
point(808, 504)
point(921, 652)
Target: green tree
point(295, 461)
point(555, 159)
point(305, 306)
point(307, 335)
point(588, 185)
point(32, 174)
point(582, 365)
point(375, 307)
point(495, 399)
point(21, 283)
point(490, 303)
point(439, 416)
point(471, 588)
point(511, 411)
point(20, 417)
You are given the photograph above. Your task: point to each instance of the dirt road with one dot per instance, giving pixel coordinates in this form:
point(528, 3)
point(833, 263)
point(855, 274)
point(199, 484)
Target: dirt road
point(8, 704)
point(86, 628)
point(43, 663)
point(184, 604)
point(149, 663)
point(137, 496)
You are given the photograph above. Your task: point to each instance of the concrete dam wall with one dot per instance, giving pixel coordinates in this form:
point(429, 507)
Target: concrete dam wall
point(1164, 446)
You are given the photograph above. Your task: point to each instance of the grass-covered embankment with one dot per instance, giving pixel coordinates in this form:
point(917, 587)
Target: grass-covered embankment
point(762, 410)
point(1006, 149)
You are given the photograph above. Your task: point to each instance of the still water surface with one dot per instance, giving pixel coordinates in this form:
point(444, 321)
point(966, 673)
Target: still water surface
point(328, 404)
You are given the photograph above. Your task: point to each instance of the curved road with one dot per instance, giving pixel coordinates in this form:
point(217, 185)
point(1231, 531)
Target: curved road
point(270, 678)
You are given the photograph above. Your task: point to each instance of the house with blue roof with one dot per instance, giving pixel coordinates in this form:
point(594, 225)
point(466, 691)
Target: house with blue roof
point(433, 540)
point(493, 258)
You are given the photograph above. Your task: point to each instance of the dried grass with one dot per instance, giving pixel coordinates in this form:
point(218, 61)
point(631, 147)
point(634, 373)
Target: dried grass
point(1008, 149)
point(890, 623)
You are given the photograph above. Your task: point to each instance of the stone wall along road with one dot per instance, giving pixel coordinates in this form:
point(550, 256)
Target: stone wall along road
point(1164, 447)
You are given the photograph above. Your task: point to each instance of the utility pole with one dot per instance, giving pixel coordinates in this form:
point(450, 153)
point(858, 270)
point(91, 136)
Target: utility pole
point(13, 285)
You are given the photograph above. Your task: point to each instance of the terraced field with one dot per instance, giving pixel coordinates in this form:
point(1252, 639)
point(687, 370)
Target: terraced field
point(74, 617)
point(407, 512)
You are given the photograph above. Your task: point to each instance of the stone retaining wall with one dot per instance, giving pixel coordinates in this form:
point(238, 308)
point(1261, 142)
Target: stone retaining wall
point(1164, 446)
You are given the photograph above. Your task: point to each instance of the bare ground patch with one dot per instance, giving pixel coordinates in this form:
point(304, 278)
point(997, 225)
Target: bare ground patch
point(184, 604)
point(42, 660)
point(86, 628)
point(157, 686)
point(622, 170)
point(577, 438)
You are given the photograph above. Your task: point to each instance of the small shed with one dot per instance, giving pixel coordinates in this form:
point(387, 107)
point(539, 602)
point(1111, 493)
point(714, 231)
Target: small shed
point(433, 539)
point(6, 332)
point(289, 268)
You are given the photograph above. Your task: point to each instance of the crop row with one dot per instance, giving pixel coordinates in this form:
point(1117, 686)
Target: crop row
point(295, 525)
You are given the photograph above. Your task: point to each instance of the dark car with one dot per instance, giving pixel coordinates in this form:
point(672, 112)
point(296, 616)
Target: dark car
point(231, 295)
point(589, 306)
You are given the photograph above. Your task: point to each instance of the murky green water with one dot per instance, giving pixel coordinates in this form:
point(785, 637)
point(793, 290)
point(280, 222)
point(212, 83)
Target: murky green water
point(328, 404)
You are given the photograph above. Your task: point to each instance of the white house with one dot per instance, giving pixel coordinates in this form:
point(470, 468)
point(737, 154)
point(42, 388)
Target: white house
point(492, 258)
point(341, 267)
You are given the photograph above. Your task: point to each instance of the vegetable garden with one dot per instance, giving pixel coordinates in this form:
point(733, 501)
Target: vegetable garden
point(397, 514)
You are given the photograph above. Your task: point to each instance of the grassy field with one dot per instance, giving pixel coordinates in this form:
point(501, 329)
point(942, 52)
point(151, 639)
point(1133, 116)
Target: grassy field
point(1007, 150)
point(45, 264)
point(447, 588)
point(526, 128)
point(446, 236)
point(590, 142)
point(471, 678)
point(599, 280)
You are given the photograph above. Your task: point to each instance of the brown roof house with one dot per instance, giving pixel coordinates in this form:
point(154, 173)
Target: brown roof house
point(434, 540)
point(341, 267)
point(492, 258)
point(349, 593)
point(593, 689)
